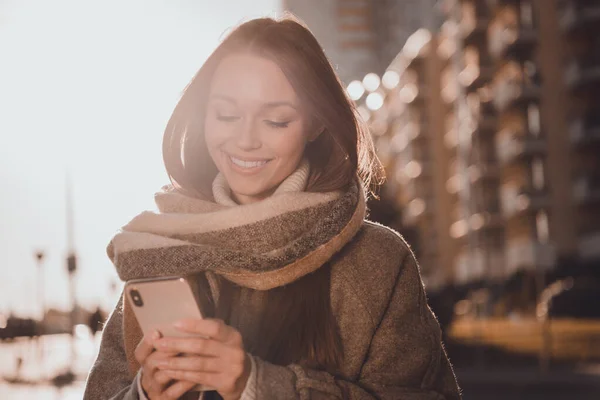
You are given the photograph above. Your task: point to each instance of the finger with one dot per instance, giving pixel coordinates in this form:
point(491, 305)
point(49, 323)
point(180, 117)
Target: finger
point(209, 379)
point(192, 363)
point(151, 362)
point(236, 358)
point(150, 371)
point(208, 327)
point(151, 385)
point(146, 346)
point(198, 346)
point(162, 378)
point(177, 390)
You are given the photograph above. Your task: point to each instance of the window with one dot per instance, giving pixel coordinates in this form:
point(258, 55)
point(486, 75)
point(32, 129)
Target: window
point(530, 70)
point(537, 174)
point(471, 55)
point(449, 87)
point(508, 198)
point(470, 71)
point(541, 225)
point(453, 184)
point(451, 138)
point(533, 119)
point(527, 14)
point(469, 18)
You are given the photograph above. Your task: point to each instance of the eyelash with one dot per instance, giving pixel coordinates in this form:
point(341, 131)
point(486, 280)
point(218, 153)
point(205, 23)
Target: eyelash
point(273, 124)
point(227, 118)
point(277, 125)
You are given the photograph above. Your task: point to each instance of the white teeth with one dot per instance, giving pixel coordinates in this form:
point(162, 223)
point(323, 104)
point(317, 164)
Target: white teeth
point(247, 164)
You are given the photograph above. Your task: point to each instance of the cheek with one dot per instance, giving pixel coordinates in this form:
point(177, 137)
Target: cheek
point(212, 140)
point(209, 129)
point(290, 143)
point(213, 135)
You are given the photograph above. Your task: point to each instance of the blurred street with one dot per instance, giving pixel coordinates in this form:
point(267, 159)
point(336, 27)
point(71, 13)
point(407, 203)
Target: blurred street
point(518, 358)
point(41, 369)
point(566, 339)
point(526, 383)
point(504, 366)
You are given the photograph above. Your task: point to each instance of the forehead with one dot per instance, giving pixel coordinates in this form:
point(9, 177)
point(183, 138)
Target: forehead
point(251, 78)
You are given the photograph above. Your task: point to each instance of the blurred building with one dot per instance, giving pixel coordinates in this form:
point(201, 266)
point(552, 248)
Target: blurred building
point(521, 136)
point(572, 56)
point(490, 130)
point(362, 36)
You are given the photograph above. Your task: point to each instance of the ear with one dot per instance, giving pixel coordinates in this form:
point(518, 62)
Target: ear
point(316, 133)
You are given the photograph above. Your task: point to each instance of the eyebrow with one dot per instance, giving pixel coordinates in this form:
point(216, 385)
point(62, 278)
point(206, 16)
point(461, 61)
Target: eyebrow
point(271, 104)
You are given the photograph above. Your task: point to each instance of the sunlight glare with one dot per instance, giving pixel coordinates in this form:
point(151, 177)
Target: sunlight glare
point(86, 91)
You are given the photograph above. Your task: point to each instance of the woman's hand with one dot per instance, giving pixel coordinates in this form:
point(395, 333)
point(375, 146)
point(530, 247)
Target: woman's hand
point(155, 383)
point(218, 360)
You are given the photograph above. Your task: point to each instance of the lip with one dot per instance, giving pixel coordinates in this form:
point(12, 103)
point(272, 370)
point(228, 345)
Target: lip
point(248, 159)
point(245, 171)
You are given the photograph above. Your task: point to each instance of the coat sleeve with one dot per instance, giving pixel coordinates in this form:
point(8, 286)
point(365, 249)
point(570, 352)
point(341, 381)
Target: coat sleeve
point(406, 358)
point(109, 377)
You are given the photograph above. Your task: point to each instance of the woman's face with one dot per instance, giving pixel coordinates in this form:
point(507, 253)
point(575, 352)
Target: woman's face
point(254, 128)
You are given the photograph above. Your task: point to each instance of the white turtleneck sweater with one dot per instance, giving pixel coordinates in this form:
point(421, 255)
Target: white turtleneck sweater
point(295, 182)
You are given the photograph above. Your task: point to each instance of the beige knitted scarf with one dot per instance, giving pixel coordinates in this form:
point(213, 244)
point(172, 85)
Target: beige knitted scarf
point(261, 245)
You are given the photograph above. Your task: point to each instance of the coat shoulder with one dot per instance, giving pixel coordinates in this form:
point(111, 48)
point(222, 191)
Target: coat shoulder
point(369, 266)
point(380, 246)
point(385, 236)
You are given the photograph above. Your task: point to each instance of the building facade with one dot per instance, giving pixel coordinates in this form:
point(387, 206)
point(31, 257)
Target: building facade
point(490, 134)
point(362, 36)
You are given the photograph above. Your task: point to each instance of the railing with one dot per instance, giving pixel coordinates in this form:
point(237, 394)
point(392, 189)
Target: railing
point(485, 170)
point(585, 129)
point(529, 254)
point(502, 39)
point(515, 146)
point(587, 189)
point(510, 90)
point(522, 200)
point(578, 12)
point(589, 245)
point(475, 18)
point(562, 339)
point(581, 70)
point(416, 209)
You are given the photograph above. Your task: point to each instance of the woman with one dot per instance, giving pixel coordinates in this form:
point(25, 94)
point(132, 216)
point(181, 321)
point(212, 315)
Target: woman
point(269, 164)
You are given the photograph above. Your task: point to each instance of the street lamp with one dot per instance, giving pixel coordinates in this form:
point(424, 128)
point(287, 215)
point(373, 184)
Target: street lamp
point(41, 325)
point(39, 256)
point(71, 262)
point(374, 101)
point(355, 90)
point(390, 79)
point(371, 82)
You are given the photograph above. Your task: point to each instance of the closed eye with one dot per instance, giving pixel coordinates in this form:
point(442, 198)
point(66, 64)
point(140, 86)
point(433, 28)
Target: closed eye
point(227, 118)
point(276, 124)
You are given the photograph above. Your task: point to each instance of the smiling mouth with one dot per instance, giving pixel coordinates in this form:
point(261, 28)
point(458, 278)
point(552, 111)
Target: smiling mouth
point(247, 164)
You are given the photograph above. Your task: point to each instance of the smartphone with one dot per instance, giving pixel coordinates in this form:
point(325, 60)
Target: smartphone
point(159, 302)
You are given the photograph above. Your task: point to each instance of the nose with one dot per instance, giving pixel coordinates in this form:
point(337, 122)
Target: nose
point(247, 137)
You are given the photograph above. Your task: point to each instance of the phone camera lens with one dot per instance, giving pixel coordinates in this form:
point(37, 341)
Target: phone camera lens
point(136, 297)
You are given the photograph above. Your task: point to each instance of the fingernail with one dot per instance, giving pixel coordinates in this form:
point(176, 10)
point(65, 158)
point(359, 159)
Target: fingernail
point(155, 335)
point(180, 324)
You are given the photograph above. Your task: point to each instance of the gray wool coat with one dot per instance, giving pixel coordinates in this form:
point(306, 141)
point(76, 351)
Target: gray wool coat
point(391, 340)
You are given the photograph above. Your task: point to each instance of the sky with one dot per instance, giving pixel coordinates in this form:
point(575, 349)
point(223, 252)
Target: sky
point(86, 89)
